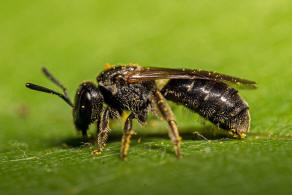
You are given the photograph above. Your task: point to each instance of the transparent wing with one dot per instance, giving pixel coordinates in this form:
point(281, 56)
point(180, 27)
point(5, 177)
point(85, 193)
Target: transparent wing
point(153, 73)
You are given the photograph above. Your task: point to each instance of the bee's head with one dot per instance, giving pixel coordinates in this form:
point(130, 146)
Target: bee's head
point(88, 103)
point(87, 106)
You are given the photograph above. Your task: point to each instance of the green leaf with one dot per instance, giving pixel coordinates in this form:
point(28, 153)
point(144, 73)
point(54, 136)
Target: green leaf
point(40, 151)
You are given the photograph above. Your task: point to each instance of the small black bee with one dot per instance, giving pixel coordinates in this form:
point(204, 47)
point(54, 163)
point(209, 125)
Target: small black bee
point(133, 88)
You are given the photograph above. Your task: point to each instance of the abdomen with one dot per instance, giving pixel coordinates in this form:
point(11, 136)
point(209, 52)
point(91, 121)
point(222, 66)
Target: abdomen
point(215, 101)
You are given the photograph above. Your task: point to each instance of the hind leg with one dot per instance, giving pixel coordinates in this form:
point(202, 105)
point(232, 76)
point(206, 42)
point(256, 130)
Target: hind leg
point(165, 111)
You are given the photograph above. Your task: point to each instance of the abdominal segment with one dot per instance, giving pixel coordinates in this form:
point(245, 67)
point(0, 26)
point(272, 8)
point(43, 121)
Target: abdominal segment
point(215, 101)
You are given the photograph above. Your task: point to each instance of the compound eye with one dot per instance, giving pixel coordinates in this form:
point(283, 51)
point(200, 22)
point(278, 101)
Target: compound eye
point(85, 104)
point(83, 110)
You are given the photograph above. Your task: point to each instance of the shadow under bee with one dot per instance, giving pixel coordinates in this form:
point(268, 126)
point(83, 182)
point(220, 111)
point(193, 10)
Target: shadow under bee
point(198, 134)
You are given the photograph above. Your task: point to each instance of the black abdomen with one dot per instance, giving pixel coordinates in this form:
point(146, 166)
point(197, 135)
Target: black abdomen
point(213, 100)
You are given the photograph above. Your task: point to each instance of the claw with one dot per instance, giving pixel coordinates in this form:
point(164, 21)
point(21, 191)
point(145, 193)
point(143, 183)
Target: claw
point(95, 152)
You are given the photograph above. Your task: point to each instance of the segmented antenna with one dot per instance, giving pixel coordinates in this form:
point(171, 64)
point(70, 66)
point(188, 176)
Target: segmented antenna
point(65, 97)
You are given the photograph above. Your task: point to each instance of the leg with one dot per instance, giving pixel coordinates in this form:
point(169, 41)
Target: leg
point(84, 135)
point(127, 136)
point(165, 111)
point(103, 127)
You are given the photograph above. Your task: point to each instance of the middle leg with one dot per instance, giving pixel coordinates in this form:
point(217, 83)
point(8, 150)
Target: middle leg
point(128, 131)
point(103, 127)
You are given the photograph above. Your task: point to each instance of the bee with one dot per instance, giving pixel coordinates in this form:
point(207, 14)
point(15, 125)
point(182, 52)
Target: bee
point(133, 88)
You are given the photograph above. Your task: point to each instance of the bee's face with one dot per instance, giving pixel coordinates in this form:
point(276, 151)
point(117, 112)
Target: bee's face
point(88, 105)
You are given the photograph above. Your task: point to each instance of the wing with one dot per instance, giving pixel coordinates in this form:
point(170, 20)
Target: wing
point(153, 73)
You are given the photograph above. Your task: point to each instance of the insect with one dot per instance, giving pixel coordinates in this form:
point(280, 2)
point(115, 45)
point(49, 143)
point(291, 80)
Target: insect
point(133, 88)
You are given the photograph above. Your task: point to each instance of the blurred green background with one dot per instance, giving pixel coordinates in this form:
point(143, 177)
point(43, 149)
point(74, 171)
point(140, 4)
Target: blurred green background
point(40, 152)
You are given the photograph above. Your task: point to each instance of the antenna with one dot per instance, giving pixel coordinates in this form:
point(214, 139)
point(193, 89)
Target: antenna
point(65, 97)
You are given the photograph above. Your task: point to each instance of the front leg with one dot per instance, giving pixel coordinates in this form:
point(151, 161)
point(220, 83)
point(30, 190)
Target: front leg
point(103, 128)
point(127, 136)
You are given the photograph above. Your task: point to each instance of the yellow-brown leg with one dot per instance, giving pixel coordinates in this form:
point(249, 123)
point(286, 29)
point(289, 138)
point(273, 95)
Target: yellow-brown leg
point(103, 128)
point(127, 136)
point(167, 115)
